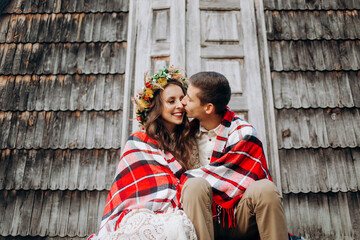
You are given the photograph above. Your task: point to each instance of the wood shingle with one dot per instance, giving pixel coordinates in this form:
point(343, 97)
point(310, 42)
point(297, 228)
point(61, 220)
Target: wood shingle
point(314, 63)
point(59, 27)
point(62, 68)
point(63, 79)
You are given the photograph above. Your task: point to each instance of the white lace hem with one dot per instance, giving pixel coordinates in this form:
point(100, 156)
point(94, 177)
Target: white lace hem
point(143, 224)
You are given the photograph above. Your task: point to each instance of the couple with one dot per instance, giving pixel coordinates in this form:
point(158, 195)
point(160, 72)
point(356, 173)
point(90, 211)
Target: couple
point(207, 177)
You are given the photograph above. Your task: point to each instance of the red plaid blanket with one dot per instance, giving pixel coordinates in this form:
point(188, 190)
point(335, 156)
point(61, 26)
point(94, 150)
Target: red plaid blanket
point(146, 177)
point(237, 161)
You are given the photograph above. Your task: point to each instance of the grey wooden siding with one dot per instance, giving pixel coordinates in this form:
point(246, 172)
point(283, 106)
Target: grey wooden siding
point(335, 88)
point(311, 4)
point(311, 25)
point(63, 27)
point(314, 50)
point(326, 170)
point(324, 216)
point(58, 169)
point(77, 92)
point(67, 6)
point(62, 58)
point(62, 70)
point(51, 213)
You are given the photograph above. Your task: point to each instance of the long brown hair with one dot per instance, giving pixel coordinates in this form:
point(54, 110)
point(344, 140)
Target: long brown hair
point(180, 142)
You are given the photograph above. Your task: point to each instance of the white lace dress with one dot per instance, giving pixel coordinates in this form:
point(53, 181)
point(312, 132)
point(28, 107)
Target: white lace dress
point(143, 224)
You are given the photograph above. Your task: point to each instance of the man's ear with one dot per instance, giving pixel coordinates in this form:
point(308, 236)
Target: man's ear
point(209, 108)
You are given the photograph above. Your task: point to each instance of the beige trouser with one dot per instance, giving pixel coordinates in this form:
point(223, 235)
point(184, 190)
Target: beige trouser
point(259, 212)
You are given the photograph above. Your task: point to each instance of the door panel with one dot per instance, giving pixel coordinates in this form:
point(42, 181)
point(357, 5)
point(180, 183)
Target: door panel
point(159, 40)
point(222, 37)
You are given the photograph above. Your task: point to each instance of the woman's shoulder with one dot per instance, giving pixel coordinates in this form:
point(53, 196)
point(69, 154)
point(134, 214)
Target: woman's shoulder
point(141, 135)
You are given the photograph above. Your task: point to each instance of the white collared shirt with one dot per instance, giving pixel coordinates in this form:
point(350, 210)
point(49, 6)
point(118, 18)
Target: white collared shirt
point(206, 142)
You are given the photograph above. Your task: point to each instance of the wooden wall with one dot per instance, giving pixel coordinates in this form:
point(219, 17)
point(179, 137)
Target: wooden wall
point(314, 54)
point(62, 68)
point(62, 73)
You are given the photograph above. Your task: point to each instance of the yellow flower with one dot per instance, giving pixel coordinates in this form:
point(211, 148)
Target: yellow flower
point(162, 82)
point(149, 93)
point(143, 103)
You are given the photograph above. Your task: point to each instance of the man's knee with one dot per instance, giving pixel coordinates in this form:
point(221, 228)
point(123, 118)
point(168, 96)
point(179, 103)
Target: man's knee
point(196, 188)
point(264, 190)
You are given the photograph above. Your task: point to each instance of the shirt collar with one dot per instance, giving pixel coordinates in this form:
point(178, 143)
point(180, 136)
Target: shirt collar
point(204, 130)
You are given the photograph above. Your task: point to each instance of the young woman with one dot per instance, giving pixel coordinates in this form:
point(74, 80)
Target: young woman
point(144, 198)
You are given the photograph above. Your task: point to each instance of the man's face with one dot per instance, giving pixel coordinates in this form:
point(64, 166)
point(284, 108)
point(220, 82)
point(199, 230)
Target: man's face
point(192, 103)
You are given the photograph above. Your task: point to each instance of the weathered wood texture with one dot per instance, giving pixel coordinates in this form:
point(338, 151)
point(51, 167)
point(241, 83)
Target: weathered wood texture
point(57, 169)
point(62, 70)
point(3, 5)
point(50, 213)
point(67, 6)
point(69, 129)
point(320, 170)
point(314, 55)
point(314, 128)
point(59, 27)
point(62, 58)
point(333, 89)
point(317, 55)
point(61, 92)
point(324, 216)
point(313, 25)
point(311, 4)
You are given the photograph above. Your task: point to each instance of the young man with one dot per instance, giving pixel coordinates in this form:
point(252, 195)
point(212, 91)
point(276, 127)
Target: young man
point(232, 195)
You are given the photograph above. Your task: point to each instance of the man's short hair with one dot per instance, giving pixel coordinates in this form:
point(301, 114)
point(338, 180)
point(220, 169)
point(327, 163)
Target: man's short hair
point(214, 88)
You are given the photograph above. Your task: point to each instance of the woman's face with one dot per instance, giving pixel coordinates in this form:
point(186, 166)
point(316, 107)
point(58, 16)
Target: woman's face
point(172, 110)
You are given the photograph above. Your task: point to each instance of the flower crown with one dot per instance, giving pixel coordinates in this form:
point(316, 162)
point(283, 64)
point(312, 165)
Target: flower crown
point(158, 81)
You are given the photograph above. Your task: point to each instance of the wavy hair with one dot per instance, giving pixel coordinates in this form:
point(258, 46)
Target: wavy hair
point(180, 142)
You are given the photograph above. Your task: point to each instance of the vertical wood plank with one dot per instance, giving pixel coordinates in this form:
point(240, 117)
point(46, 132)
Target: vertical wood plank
point(177, 33)
point(193, 60)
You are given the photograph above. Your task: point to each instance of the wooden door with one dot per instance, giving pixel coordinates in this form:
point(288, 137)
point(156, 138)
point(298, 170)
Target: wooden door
point(156, 38)
point(198, 35)
point(221, 36)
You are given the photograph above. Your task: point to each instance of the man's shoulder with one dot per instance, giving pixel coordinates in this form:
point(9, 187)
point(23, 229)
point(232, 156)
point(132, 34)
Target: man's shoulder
point(242, 127)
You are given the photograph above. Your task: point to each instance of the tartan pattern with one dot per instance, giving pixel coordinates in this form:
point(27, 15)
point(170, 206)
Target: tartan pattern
point(146, 177)
point(237, 161)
